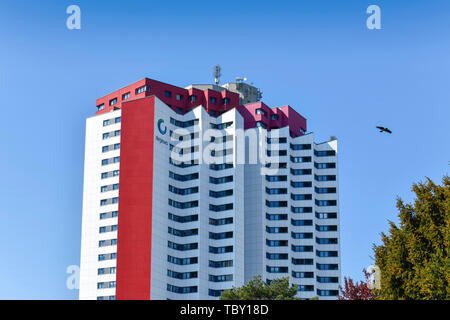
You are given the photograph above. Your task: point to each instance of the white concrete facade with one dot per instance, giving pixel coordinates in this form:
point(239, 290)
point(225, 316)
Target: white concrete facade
point(231, 230)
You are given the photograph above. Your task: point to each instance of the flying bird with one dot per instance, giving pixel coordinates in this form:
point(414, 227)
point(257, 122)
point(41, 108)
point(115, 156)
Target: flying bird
point(383, 129)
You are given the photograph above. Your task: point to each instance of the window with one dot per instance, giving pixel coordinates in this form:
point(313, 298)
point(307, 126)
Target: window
point(325, 190)
point(182, 247)
point(181, 290)
point(300, 159)
point(221, 278)
point(221, 166)
point(183, 192)
point(326, 266)
point(326, 254)
point(276, 243)
point(260, 111)
point(276, 256)
point(298, 223)
point(325, 178)
point(183, 205)
point(276, 178)
point(113, 102)
point(184, 124)
point(186, 177)
point(106, 135)
point(301, 235)
point(274, 117)
point(325, 203)
point(301, 184)
point(101, 107)
point(326, 215)
point(276, 204)
point(221, 126)
point(302, 248)
point(326, 240)
point(182, 261)
point(107, 215)
point(220, 222)
point(142, 89)
point(276, 217)
point(218, 250)
point(221, 194)
point(272, 153)
point(212, 99)
point(117, 120)
point(325, 165)
point(179, 97)
point(226, 101)
point(107, 256)
point(301, 172)
point(276, 140)
point(106, 298)
point(220, 180)
point(110, 270)
point(302, 274)
point(183, 219)
point(270, 269)
point(276, 190)
point(326, 228)
point(305, 288)
point(221, 235)
point(327, 293)
point(298, 197)
point(300, 146)
point(106, 123)
point(214, 293)
point(222, 207)
point(183, 233)
point(192, 98)
point(105, 243)
point(300, 262)
point(276, 229)
point(221, 264)
point(182, 275)
point(105, 229)
point(105, 285)
point(301, 209)
point(126, 96)
point(324, 153)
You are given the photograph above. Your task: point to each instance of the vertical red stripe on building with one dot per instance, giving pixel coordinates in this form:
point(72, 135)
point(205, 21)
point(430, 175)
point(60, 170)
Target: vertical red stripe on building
point(135, 200)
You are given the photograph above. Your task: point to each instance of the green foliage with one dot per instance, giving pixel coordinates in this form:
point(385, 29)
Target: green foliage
point(414, 257)
point(257, 289)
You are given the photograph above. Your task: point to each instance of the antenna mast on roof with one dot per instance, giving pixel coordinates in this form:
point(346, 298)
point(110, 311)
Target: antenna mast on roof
point(217, 73)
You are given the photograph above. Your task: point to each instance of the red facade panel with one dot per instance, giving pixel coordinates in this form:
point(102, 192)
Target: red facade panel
point(135, 200)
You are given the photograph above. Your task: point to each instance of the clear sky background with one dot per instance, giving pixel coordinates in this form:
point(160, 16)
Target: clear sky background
point(317, 56)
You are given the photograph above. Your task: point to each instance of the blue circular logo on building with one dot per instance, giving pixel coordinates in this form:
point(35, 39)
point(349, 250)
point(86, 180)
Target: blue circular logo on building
point(161, 130)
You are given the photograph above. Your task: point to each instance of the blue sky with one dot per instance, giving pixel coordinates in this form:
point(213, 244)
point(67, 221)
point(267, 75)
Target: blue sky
point(317, 56)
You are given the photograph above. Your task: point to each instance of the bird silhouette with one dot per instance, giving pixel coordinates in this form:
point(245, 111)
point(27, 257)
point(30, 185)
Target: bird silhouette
point(383, 129)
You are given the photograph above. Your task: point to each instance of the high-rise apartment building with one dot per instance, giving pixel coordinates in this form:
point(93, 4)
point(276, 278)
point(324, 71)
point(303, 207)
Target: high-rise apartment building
point(187, 193)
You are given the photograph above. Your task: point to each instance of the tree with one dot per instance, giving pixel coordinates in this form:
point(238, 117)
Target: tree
point(413, 258)
point(356, 291)
point(257, 289)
